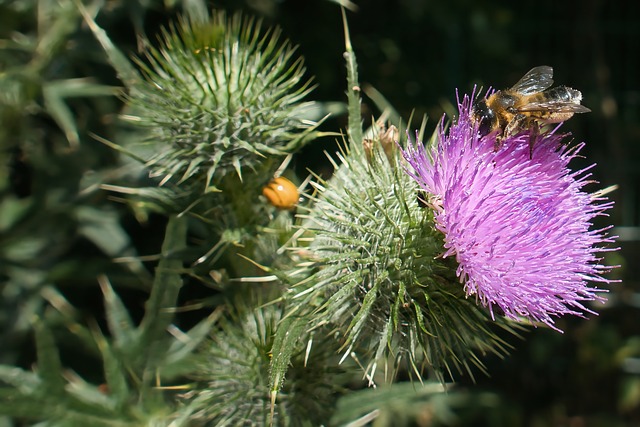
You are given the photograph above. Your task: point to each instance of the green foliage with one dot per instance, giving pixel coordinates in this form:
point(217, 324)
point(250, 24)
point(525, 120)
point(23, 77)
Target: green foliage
point(137, 359)
point(47, 206)
point(402, 404)
point(220, 101)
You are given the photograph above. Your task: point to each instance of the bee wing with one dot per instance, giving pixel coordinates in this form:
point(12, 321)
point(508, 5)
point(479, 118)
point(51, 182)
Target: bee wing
point(535, 81)
point(553, 106)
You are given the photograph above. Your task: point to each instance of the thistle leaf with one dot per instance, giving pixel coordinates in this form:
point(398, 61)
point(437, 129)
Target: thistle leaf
point(126, 72)
point(285, 343)
point(120, 324)
point(179, 357)
point(54, 94)
point(24, 381)
point(115, 373)
point(163, 299)
point(49, 365)
point(101, 227)
point(353, 88)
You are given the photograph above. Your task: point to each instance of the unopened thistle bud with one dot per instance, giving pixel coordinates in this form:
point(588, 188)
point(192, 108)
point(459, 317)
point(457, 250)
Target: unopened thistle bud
point(221, 97)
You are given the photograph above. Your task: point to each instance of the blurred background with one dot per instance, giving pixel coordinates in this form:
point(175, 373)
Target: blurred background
point(414, 53)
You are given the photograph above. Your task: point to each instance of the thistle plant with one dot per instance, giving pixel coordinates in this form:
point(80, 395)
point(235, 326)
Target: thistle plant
point(376, 278)
point(381, 278)
point(221, 96)
point(395, 262)
point(233, 369)
point(221, 101)
point(413, 260)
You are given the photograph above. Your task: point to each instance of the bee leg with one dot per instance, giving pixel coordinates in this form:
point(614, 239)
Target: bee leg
point(535, 132)
point(517, 124)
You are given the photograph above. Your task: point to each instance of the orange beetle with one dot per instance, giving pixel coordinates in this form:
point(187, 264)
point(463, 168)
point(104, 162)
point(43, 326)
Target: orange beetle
point(281, 193)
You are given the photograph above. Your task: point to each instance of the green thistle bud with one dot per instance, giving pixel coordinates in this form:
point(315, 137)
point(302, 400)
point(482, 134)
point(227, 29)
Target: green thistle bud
point(380, 280)
point(220, 96)
point(234, 371)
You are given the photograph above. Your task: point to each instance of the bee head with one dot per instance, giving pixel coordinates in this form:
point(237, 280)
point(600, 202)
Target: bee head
point(484, 116)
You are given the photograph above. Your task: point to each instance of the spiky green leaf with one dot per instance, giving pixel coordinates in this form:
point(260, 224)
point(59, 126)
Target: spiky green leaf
point(159, 308)
point(54, 94)
point(126, 72)
point(49, 365)
point(285, 343)
point(120, 323)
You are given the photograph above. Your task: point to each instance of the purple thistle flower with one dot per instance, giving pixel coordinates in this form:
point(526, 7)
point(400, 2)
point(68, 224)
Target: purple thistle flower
point(518, 222)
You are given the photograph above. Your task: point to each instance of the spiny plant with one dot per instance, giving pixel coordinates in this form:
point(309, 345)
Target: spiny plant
point(138, 360)
point(233, 373)
point(374, 274)
point(381, 277)
point(221, 103)
point(221, 95)
point(396, 249)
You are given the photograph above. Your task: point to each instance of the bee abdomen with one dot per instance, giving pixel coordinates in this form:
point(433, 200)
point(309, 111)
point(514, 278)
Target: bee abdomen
point(564, 94)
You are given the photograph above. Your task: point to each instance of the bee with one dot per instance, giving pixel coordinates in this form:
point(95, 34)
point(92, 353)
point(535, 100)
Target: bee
point(529, 104)
point(281, 193)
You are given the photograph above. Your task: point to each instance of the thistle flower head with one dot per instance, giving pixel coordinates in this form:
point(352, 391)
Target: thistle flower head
point(518, 223)
point(221, 96)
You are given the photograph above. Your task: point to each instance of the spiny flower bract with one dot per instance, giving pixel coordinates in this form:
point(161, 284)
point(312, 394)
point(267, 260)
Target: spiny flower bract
point(221, 96)
point(518, 222)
